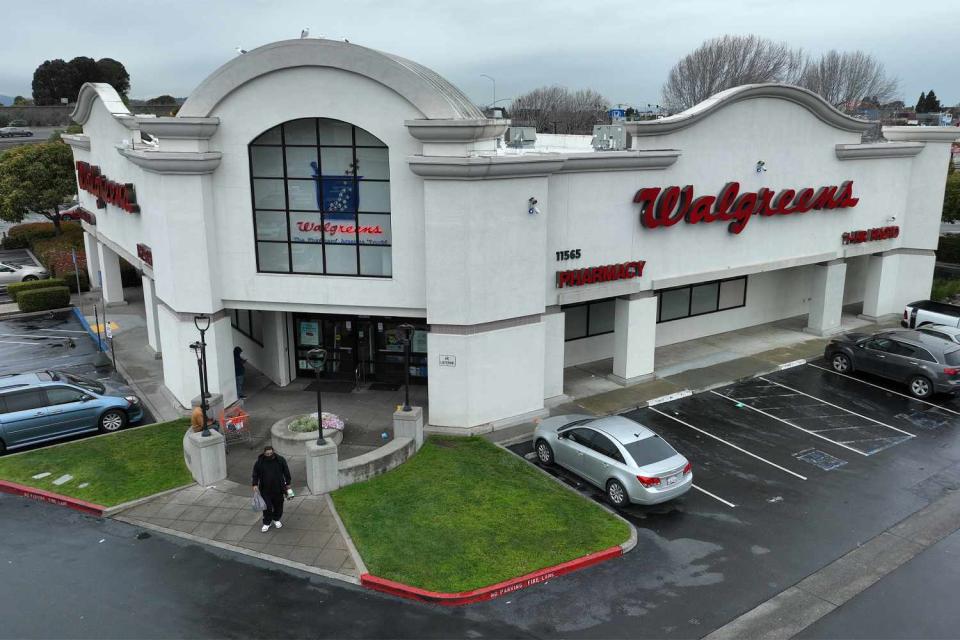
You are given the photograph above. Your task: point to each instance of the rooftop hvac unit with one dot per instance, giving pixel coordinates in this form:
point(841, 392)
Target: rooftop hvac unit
point(609, 137)
point(521, 137)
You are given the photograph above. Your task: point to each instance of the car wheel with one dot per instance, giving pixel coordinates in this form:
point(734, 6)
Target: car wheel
point(841, 363)
point(617, 494)
point(921, 387)
point(112, 420)
point(30, 278)
point(544, 453)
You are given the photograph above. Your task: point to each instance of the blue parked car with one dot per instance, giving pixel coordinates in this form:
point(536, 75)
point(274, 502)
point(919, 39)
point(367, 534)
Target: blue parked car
point(43, 406)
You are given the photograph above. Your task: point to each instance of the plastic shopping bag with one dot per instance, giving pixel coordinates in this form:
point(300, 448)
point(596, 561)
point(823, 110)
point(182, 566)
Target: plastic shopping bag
point(257, 503)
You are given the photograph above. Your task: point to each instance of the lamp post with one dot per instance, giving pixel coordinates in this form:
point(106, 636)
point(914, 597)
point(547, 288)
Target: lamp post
point(483, 75)
point(317, 359)
point(202, 323)
point(406, 335)
point(197, 348)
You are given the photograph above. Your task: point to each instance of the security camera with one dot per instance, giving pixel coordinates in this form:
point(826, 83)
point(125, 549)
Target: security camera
point(893, 218)
point(532, 208)
point(532, 201)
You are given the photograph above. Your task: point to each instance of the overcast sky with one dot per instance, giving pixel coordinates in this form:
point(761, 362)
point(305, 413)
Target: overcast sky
point(624, 50)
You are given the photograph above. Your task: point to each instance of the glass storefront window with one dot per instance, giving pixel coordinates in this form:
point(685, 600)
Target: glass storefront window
point(674, 303)
point(703, 298)
point(310, 178)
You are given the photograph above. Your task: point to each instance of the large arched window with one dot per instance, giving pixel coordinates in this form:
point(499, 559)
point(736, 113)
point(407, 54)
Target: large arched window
point(321, 199)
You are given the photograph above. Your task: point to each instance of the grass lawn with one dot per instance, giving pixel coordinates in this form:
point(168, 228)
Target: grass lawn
point(118, 468)
point(463, 513)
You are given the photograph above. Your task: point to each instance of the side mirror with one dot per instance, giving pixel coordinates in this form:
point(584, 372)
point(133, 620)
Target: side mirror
point(86, 398)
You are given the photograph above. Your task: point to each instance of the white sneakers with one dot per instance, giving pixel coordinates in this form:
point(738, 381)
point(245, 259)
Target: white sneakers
point(265, 528)
point(277, 524)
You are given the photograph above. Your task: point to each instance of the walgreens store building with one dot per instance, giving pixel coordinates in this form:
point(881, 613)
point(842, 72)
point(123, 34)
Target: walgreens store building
point(318, 193)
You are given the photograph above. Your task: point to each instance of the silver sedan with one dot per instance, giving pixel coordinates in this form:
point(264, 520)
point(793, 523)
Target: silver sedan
point(628, 461)
point(11, 273)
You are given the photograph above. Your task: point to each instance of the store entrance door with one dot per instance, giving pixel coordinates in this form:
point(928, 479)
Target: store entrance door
point(339, 338)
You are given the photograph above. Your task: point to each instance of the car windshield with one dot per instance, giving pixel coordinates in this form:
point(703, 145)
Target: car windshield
point(80, 381)
point(952, 357)
point(649, 450)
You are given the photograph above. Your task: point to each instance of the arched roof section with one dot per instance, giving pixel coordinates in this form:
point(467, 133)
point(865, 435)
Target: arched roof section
point(809, 100)
point(89, 92)
point(426, 90)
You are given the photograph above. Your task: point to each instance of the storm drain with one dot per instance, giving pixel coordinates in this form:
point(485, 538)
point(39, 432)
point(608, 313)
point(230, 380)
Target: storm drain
point(820, 459)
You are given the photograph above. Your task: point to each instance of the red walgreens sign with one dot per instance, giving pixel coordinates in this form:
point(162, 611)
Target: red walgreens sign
point(607, 273)
point(870, 235)
point(121, 195)
point(666, 207)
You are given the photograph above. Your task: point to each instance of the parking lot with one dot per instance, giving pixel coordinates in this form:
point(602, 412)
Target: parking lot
point(56, 340)
point(15, 257)
point(791, 471)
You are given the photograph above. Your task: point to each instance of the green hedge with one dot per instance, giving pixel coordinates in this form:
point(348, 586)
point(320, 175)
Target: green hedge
point(949, 249)
point(43, 299)
point(18, 287)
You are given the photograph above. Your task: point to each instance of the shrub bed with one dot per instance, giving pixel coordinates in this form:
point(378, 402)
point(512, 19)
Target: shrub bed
point(948, 250)
point(14, 289)
point(43, 299)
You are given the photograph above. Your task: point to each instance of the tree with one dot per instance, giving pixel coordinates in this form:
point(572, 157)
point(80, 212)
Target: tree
point(842, 78)
point(114, 74)
point(921, 103)
point(36, 178)
point(951, 198)
point(162, 100)
point(932, 104)
point(56, 79)
point(52, 80)
point(20, 101)
point(560, 110)
point(726, 62)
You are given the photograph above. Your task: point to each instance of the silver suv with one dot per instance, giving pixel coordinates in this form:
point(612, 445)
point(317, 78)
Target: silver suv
point(927, 364)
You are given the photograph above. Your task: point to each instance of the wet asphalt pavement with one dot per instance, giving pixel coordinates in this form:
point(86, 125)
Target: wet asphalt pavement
point(66, 575)
point(793, 471)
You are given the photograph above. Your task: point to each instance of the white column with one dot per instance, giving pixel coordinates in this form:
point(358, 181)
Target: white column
point(110, 274)
point(634, 337)
point(880, 292)
point(92, 251)
point(826, 298)
point(150, 313)
point(180, 374)
point(554, 331)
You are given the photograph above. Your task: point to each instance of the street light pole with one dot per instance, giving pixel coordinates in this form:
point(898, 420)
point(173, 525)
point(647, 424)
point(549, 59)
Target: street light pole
point(483, 75)
point(197, 348)
point(317, 359)
point(202, 323)
point(407, 334)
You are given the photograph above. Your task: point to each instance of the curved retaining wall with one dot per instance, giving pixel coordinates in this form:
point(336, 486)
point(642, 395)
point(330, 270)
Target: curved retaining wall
point(380, 460)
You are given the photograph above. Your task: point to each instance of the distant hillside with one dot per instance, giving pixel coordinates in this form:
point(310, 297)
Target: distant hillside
point(6, 100)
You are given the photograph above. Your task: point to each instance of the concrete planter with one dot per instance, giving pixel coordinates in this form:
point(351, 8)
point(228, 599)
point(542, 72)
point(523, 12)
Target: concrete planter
point(290, 443)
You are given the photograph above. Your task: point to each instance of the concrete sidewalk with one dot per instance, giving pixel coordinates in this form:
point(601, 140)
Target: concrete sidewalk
point(312, 538)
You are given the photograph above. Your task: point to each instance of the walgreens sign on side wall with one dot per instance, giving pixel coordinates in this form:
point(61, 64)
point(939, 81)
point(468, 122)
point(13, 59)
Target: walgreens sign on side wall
point(666, 207)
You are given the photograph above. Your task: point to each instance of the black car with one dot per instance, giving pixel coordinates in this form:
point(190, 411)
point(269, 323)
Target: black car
point(925, 363)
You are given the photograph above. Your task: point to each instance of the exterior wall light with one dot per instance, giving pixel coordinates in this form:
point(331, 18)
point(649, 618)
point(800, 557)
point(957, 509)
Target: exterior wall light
point(761, 166)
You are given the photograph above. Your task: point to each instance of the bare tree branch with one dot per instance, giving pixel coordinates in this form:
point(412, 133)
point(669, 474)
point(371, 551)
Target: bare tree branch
point(559, 109)
point(848, 77)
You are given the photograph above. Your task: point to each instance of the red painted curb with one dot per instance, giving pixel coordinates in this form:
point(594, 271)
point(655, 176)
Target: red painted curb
point(53, 498)
point(487, 593)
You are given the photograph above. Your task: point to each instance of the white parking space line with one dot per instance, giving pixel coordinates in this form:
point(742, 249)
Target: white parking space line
point(837, 373)
point(906, 433)
point(788, 423)
point(15, 342)
point(729, 444)
point(28, 335)
point(718, 498)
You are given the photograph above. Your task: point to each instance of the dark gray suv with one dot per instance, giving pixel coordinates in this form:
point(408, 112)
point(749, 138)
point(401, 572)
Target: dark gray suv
point(926, 364)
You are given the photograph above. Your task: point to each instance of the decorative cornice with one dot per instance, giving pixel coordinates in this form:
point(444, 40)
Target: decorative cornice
point(479, 167)
point(76, 140)
point(168, 127)
point(457, 130)
point(807, 99)
point(878, 150)
point(619, 160)
point(539, 164)
point(922, 134)
point(173, 162)
point(89, 92)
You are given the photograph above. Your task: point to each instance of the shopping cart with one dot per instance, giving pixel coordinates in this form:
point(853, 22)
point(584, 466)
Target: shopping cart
point(235, 425)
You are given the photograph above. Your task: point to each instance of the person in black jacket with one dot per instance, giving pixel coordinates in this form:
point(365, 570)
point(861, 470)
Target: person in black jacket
point(271, 477)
